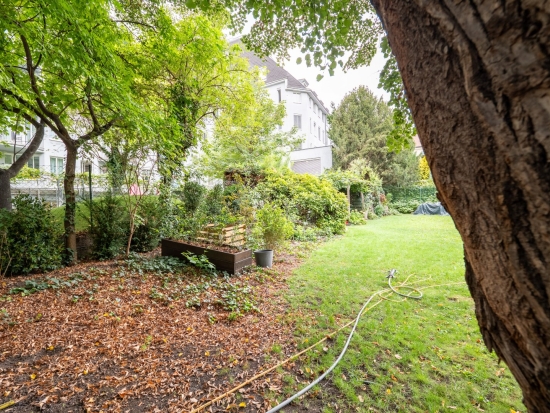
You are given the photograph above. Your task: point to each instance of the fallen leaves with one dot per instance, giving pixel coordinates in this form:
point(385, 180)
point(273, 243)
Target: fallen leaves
point(87, 354)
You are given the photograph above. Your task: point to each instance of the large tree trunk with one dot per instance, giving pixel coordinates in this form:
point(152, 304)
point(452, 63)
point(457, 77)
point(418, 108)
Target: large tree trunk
point(477, 76)
point(70, 203)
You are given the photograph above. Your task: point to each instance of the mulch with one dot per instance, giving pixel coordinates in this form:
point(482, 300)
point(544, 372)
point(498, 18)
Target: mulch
point(105, 345)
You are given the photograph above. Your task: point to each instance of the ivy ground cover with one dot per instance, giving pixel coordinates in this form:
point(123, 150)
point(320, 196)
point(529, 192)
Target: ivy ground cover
point(414, 356)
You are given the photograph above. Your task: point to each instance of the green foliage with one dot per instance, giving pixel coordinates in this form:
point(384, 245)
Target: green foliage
point(191, 74)
point(31, 237)
point(324, 31)
point(307, 199)
point(424, 168)
point(149, 217)
point(202, 207)
point(110, 226)
point(357, 218)
point(200, 261)
point(28, 173)
point(249, 141)
point(406, 206)
point(341, 180)
point(192, 195)
point(379, 210)
point(327, 33)
point(214, 201)
point(272, 228)
point(34, 286)
point(401, 135)
point(305, 233)
point(360, 126)
point(159, 265)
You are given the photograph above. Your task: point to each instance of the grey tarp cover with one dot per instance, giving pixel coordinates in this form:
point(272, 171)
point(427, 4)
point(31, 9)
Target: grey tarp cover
point(430, 208)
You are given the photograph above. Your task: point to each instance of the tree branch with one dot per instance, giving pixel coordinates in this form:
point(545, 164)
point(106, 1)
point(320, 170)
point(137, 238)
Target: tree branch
point(15, 167)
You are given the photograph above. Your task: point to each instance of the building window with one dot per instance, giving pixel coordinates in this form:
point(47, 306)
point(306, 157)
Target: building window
point(34, 162)
point(314, 129)
point(310, 128)
point(8, 159)
point(103, 167)
point(310, 101)
point(279, 94)
point(298, 121)
point(315, 109)
point(319, 132)
point(86, 166)
point(56, 165)
point(297, 97)
point(30, 132)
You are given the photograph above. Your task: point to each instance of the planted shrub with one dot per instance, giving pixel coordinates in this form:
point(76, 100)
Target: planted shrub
point(110, 226)
point(357, 218)
point(192, 195)
point(272, 228)
point(148, 231)
point(31, 238)
point(406, 206)
point(307, 199)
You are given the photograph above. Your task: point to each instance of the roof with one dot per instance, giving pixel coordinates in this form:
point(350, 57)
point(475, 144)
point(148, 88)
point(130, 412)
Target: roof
point(276, 72)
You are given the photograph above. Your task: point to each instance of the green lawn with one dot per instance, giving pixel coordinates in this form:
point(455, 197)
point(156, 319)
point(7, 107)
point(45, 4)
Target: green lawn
point(82, 211)
point(423, 356)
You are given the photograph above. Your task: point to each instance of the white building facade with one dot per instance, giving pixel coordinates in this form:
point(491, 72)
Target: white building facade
point(304, 110)
point(49, 157)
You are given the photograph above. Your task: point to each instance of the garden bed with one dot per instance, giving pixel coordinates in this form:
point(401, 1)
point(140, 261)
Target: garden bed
point(232, 262)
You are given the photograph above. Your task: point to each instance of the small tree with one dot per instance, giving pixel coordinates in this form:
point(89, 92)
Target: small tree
point(250, 141)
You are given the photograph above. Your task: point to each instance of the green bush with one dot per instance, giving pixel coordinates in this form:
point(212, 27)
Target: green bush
point(272, 227)
point(406, 206)
point(30, 238)
point(192, 195)
point(110, 226)
point(147, 234)
point(379, 210)
point(307, 200)
point(357, 218)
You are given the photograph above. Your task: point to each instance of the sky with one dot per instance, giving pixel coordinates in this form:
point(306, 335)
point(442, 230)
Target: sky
point(334, 88)
point(331, 88)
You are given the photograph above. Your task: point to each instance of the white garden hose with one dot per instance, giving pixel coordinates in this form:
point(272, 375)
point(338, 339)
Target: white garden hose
point(322, 376)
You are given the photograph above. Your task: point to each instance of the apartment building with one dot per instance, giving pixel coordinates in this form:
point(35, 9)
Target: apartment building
point(304, 110)
point(50, 156)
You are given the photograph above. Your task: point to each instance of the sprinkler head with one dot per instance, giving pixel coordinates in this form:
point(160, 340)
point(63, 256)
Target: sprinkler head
point(391, 274)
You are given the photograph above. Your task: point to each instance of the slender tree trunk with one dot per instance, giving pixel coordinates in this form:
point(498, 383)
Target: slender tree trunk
point(5, 189)
point(477, 76)
point(18, 164)
point(70, 203)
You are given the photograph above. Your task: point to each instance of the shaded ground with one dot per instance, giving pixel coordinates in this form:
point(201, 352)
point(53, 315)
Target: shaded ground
point(110, 338)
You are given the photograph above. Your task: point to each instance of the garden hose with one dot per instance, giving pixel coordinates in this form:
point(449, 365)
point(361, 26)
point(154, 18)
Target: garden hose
point(322, 376)
point(412, 290)
point(312, 384)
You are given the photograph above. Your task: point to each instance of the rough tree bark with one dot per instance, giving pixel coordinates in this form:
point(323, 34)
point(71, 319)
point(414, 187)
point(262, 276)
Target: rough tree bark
point(17, 165)
point(477, 76)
